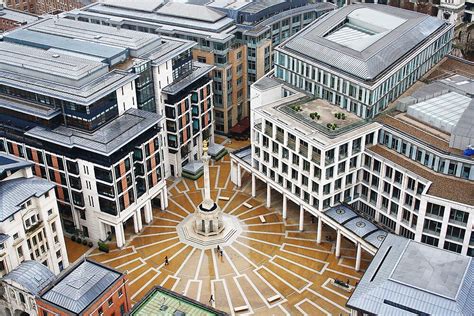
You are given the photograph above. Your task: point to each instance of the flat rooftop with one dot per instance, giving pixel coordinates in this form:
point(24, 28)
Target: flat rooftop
point(407, 277)
point(306, 114)
point(442, 186)
point(326, 113)
point(135, 41)
point(172, 18)
point(18, 16)
point(42, 64)
point(105, 140)
point(424, 268)
point(363, 40)
point(166, 302)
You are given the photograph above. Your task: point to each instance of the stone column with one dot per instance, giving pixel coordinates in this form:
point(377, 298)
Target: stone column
point(139, 220)
point(254, 185)
point(301, 227)
point(285, 204)
point(162, 200)
point(148, 212)
point(135, 223)
point(338, 244)
point(269, 195)
point(239, 175)
point(119, 235)
point(320, 227)
point(358, 256)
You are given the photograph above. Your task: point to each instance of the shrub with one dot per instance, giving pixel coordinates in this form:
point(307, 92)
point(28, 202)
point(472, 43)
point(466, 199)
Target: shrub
point(84, 242)
point(103, 246)
point(314, 116)
point(90, 244)
point(73, 237)
point(79, 240)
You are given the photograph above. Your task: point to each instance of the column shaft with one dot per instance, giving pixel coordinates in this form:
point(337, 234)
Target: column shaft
point(358, 257)
point(301, 224)
point(254, 184)
point(285, 203)
point(320, 227)
point(269, 195)
point(338, 244)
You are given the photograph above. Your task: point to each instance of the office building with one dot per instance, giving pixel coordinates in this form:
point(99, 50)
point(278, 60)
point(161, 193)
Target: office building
point(236, 37)
point(405, 170)
point(88, 288)
point(30, 227)
point(72, 111)
point(407, 277)
point(362, 57)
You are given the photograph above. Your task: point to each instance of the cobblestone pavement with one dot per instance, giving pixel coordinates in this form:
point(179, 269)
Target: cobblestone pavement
point(270, 269)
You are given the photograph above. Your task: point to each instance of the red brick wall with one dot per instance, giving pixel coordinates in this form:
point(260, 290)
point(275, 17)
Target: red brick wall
point(93, 308)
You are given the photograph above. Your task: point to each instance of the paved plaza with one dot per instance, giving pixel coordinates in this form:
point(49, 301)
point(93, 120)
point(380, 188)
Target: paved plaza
point(269, 269)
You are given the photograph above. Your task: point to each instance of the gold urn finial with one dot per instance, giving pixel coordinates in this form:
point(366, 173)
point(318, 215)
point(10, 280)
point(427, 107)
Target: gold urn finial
point(204, 146)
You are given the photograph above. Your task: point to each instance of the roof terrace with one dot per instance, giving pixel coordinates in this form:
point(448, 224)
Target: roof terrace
point(320, 116)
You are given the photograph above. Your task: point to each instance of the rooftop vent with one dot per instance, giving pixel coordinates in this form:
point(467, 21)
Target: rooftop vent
point(55, 56)
point(98, 36)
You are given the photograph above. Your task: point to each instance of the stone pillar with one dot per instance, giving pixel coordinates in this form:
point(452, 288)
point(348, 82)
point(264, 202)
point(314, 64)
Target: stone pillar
point(269, 195)
point(358, 256)
point(135, 223)
point(148, 212)
point(162, 200)
point(301, 224)
point(119, 235)
point(139, 220)
point(165, 196)
point(239, 175)
point(254, 185)
point(207, 182)
point(285, 203)
point(320, 228)
point(338, 244)
point(102, 232)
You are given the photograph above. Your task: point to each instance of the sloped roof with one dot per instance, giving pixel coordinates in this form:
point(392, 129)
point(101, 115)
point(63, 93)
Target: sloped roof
point(12, 163)
point(13, 193)
point(81, 286)
point(32, 275)
point(375, 52)
point(408, 277)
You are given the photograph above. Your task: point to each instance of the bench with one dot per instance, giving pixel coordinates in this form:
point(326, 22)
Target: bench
point(241, 308)
point(262, 219)
point(247, 205)
point(225, 198)
point(273, 298)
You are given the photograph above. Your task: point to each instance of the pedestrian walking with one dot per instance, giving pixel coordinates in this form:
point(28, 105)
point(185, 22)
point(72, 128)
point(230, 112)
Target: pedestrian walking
point(211, 299)
point(218, 249)
point(222, 253)
point(166, 261)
